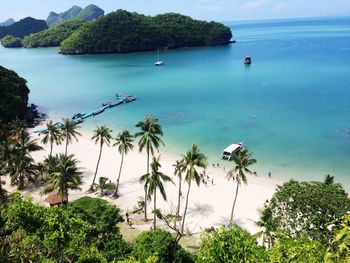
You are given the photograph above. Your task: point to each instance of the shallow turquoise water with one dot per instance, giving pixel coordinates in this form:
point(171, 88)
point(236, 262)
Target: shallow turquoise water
point(291, 107)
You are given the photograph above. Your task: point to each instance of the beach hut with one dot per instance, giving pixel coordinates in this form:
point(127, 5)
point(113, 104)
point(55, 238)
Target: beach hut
point(55, 199)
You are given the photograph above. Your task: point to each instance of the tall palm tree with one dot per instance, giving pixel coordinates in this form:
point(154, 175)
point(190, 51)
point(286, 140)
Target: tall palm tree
point(150, 141)
point(53, 135)
point(65, 176)
point(69, 132)
point(179, 170)
point(242, 161)
point(21, 164)
point(329, 179)
point(154, 181)
point(102, 135)
point(124, 142)
point(193, 160)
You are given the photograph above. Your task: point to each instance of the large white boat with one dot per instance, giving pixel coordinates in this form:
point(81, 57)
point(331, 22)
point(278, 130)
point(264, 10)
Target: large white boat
point(231, 149)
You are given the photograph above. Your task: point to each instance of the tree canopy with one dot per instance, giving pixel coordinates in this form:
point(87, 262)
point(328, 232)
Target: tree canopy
point(13, 95)
point(307, 208)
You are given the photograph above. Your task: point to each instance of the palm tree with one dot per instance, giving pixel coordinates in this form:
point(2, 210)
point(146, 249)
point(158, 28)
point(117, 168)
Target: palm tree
point(179, 170)
point(192, 160)
point(124, 142)
point(150, 140)
point(153, 181)
point(102, 135)
point(53, 135)
point(65, 176)
point(242, 161)
point(105, 184)
point(69, 132)
point(329, 179)
point(21, 164)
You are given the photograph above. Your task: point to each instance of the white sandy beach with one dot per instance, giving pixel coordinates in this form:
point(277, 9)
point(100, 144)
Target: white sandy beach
point(208, 205)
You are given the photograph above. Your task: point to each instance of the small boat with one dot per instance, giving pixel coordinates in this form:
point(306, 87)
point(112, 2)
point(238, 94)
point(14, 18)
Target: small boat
point(77, 115)
point(77, 120)
point(159, 62)
point(117, 102)
point(230, 150)
point(130, 98)
point(87, 115)
point(98, 111)
point(248, 60)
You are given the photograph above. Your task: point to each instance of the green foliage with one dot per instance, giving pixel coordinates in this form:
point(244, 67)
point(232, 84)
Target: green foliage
point(103, 219)
point(85, 232)
point(53, 36)
point(301, 250)
point(122, 31)
point(13, 95)
point(307, 208)
point(339, 249)
point(11, 41)
point(231, 244)
point(160, 244)
point(23, 27)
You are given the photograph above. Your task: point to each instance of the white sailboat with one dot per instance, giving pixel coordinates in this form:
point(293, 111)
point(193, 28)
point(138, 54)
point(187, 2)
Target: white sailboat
point(159, 62)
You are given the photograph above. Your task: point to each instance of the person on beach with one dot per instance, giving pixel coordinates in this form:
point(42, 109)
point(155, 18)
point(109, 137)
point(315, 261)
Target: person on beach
point(269, 174)
point(212, 181)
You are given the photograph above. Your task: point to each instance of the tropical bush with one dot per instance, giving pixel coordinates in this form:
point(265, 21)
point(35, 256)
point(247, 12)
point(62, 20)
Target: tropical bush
point(307, 209)
point(232, 244)
point(301, 250)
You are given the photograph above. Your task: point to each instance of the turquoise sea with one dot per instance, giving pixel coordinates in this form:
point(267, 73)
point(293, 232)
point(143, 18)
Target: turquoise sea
point(291, 107)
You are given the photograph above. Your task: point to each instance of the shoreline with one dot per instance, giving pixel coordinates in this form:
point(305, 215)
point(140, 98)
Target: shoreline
point(208, 205)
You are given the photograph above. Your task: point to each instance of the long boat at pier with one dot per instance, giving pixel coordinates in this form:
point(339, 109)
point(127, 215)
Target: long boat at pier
point(80, 117)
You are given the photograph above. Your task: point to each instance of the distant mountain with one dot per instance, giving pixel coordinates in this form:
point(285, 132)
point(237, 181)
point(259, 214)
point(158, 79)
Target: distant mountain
point(23, 27)
point(91, 12)
point(8, 22)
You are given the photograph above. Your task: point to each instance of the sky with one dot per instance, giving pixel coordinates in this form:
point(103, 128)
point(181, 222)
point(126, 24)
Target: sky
point(218, 10)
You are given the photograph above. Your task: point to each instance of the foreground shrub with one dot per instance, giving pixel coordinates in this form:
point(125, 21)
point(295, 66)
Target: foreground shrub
point(301, 250)
point(231, 244)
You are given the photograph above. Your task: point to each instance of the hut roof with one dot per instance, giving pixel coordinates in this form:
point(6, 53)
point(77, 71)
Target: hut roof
point(55, 198)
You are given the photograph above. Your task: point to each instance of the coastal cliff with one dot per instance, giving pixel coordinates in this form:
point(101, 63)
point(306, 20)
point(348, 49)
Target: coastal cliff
point(122, 31)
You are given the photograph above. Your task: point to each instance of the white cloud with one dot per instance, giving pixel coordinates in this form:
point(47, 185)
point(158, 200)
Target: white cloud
point(254, 4)
point(280, 7)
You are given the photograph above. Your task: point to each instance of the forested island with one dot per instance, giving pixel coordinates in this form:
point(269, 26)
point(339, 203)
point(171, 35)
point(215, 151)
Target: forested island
point(123, 31)
point(53, 36)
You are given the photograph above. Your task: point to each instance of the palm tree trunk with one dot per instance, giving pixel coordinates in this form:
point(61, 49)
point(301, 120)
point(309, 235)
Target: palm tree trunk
point(183, 219)
point(120, 171)
point(178, 201)
point(66, 146)
point(51, 147)
point(21, 181)
point(154, 209)
point(234, 203)
point(145, 186)
point(98, 163)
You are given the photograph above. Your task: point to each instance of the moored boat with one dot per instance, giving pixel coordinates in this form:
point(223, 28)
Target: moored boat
point(248, 60)
point(117, 102)
point(98, 111)
point(230, 150)
point(130, 98)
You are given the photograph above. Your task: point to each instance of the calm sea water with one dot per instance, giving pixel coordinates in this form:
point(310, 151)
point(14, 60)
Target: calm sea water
point(291, 107)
